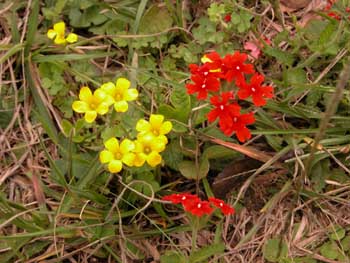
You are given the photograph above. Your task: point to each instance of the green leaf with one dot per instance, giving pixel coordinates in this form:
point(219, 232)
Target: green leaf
point(180, 99)
point(337, 233)
point(172, 257)
point(156, 19)
point(189, 169)
point(345, 243)
point(206, 252)
point(281, 56)
point(275, 249)
point(218, 152)
point(330, 250)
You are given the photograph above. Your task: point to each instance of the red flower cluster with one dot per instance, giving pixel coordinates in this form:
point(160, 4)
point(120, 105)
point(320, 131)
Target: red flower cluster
point(334, 14)
point(232, 68)
point(194, 205)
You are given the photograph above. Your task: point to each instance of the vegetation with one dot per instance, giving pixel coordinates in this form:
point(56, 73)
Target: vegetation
point(174, 131)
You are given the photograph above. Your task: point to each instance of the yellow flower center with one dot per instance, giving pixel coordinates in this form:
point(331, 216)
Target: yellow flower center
point(93, 106)
point(118, 97)
point(155, 132)
point(147, 150)
point(118, 156)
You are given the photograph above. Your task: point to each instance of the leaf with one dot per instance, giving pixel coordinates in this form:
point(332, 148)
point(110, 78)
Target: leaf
point(281, 56)
point(150, 25)
point(206, 252)
point(330, 250)
point(218, 152)
point(345, 243)
point(172, 257)
point(189, 170)
point(275, 249)
point(338, 234)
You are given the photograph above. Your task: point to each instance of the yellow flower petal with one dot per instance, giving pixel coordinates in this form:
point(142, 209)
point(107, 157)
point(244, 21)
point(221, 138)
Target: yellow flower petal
point(72, 38)
point(154, 159)
point(106, 156)
point(131, 94)
point(163, 139)
point(109, 88)
point(156, 120)
point(157, 145)
point(80, 106)
point(121, 106)
point(126, 146)
point(115, 166)
point(51, 33)
point(143, 126)
point(128, 159)
point(59, 40)
point(165, 127)
point(90, 116)
point(205, 59)
point(122, 84)
point(102, 108)
point(60, 28)
point(139, 159)
point(85, 94)
point(100, 95)
point(112, 145)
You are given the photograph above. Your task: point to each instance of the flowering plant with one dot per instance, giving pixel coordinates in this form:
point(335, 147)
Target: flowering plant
point(245, 83)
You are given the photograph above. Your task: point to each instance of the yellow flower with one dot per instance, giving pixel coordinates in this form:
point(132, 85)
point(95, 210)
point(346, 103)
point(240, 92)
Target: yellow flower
point(156, 126)
point(58, 34)
point(120, 93)
point(116, 154)
point(91, 104)
point(147, 149)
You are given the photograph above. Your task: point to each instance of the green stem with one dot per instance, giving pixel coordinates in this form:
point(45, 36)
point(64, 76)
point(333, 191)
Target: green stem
point(195, 224)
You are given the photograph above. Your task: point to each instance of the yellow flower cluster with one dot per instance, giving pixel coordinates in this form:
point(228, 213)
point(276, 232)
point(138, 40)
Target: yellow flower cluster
point(58, 34)
point(108, 94)
point(151, 140)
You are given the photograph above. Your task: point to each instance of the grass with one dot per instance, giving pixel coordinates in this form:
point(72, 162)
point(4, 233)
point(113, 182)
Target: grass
point(289, 183)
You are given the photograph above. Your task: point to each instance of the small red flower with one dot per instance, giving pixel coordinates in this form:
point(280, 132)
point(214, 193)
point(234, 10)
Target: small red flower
point(225, 208)
point(334, 15)
point(224, 109)
point(255, 89)
point(198, 207)
point(227, 18)
point(238, 125)
point(180, 198)
point(347, 10)
point(202, 85)
point(234, 68)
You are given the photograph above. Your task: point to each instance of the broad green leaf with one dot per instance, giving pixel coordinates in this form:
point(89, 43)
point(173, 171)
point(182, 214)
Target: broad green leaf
point(173, 257)
point(275, 249)
point(156, 19)
point(189, 170)
point(345, 243)
point(219, 152)
point(330, 250)
point(337, 233)
point(205, 253)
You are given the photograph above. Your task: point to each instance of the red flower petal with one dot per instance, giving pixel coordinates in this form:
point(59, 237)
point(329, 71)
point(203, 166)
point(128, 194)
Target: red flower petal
point(198, 207)
point(225, 208)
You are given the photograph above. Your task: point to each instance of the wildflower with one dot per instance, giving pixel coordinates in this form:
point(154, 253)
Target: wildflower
point(91, 104)
point(120, 93)
point(238, 125)
point(256, 90)
point(225, 208)
point(234, 68)
point(202, 85)
point(227, 18)
point(334, 15)
point(213, 61)
point(198, 207)
point(116, 154)
point(224, 110)
point(180, 198)
point(147, 149)
point(58, 34)
point(156, 126)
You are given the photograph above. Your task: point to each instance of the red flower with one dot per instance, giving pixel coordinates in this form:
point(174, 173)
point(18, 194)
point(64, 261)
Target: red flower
point(198, 207)
point(255, 89)
point(334, 15)
point(213, 61)
point(180, 198)
point(202, 85)
point(204, 71)
point(227, 18)
point(225, 208)
point(224, 110)
point(238, 124)
point(234, 68)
